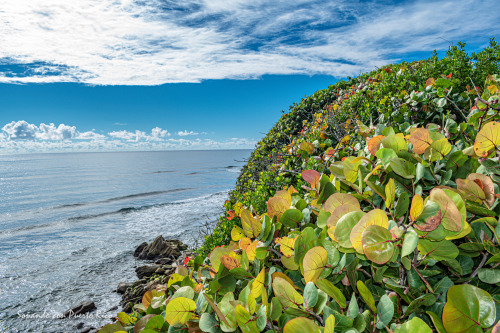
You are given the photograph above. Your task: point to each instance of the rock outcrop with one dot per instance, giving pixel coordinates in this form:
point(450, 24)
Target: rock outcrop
point(160, 248)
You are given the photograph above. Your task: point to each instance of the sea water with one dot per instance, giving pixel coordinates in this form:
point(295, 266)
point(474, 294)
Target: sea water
point(69, 223)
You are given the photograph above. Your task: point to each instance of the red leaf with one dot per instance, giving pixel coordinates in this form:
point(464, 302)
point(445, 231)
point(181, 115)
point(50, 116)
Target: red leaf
point(449, 75)
point(311, 176)
point(231, 215)
point(186, 260)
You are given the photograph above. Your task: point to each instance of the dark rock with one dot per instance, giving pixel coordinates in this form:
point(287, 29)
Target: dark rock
point(163, 261)
point(160, 271)
point(146, 271)
point(160, 248)
point(139, 249)
point(122, 287)
point(80, 326)
point(114, 308)
point(80, 309)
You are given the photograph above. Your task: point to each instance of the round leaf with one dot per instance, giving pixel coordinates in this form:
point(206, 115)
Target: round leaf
point(314, 263)
point(300, 325)
point(374, 217)
point(377, 244)
point(487, 139)
point(179, 311)
point(468, 309)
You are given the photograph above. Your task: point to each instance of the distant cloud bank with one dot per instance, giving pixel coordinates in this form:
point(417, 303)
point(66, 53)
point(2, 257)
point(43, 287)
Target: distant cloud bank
point(128, 42)
point(21, 136)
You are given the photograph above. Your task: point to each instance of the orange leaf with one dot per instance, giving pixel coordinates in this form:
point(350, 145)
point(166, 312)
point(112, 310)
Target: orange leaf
point(229, 262)
point(374, 144)
point(421, 140)
point(430, 81)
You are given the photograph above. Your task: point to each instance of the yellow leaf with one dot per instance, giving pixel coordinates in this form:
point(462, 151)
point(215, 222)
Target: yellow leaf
point(417, 204)
point(421, 140)
point(179, 311)
point(314, 263)
point(390, 193)
point(337, 214)
point(257, 284)
point(174, 278)
point(337, 199)
point(287, 245)
point(351, 168)
point(252, 251)
point(277, 206)
point(493, 89)
point(237, 233)
point(285, 195)
point(373, 217)
point(301, 325)
point(251, 226)
point(487, 139)
point(244, 242)
point(329, 324)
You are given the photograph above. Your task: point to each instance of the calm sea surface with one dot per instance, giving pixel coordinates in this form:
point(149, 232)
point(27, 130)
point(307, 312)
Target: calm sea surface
point(69, 224)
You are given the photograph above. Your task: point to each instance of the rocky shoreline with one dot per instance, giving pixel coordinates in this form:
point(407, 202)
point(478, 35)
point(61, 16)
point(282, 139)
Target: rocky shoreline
point(164, 256)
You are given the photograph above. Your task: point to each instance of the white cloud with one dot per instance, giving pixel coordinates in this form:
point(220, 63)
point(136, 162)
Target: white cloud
point(20, 130)
point(23, 131)
point(153, 42)
point(186, 133)
point(22, 137)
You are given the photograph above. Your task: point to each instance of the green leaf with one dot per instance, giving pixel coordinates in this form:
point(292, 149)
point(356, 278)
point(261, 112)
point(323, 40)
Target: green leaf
point(403, 168)
point(377, 244)
point(415, 325)
point(410, 242)
point(276, 309)
point(332, 291)
point(366, 295)
point(286, 293)
point(209, 324)
point(403, 204)
point(244, 319)
point(395, 142)
point(442, 250)
point(344, 226)
point(489, 275)
point(386, 155)
point(291, 217)
point(385, 311)
point(468, 309)
point(353, 309)
point(310, 295)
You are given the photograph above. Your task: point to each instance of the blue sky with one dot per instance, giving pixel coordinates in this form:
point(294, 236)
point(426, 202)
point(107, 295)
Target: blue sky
point(104, 75)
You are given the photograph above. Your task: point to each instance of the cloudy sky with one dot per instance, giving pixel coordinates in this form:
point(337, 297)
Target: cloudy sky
point(198, 74)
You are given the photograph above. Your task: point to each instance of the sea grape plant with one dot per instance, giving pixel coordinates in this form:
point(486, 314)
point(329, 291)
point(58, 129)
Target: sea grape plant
point(400, 237)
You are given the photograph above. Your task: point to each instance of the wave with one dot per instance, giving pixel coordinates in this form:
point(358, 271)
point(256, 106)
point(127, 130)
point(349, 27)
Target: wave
point(123, 211)
point(130, 196)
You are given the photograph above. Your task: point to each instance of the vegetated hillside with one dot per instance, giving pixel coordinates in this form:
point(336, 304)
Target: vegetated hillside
point(372, 206)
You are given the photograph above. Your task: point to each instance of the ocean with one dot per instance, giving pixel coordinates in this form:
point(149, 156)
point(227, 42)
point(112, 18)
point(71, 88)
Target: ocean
point(69, 223)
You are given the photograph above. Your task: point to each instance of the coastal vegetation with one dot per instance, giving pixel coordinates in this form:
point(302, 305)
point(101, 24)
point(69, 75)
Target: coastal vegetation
point(372, 206)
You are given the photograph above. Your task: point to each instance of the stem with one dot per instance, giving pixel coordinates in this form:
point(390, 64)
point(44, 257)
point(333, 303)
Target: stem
point(481, 264)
